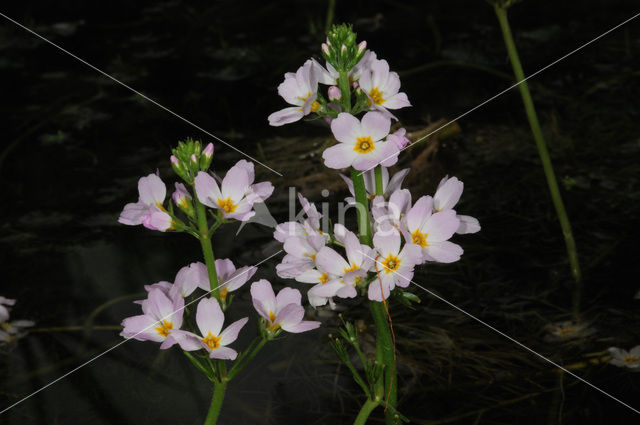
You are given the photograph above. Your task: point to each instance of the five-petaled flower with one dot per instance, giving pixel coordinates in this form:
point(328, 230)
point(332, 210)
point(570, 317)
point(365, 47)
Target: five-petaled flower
point(283, 311)
point(447, 196)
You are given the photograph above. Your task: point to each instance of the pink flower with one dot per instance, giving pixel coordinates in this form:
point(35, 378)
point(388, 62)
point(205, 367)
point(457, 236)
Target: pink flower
point(161, 317)
point(361, 144)
point(149, 210)
point(392, 212)
point(301, 90)
point(432, 231)
point(344, 274)
point(237, 194)
point(283, 311)
point(188, 279)
point(447, 196)
point(301, 254)
point(394, 266)
point(399, 138)
point(209, 318)
point(382, 86)
point(230, 278)
point(309, 226)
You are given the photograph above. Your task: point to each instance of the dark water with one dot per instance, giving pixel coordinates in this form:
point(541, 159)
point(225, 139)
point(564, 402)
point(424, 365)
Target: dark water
point(75, 143)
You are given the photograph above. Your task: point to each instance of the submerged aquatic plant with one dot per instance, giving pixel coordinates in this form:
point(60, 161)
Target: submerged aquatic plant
point(394, 235)
point(167, 316)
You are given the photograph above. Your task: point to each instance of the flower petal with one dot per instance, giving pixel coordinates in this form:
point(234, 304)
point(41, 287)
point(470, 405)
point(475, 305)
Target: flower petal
point(209, 317)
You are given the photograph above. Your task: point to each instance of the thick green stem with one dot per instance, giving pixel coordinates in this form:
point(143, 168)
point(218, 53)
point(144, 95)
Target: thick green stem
point(378, 177)
point(384, 341)
point(207, 249)
point(345, 90)
point(216, 403)
point(365, 411)
point(501, 12)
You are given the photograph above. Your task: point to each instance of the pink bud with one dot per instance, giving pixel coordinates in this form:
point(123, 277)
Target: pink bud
point(334, 93)
point(193, 158)
point(174, 160)
point(355, 85)
point(208, 151)
point(362, 46)
point(399, 138)
point(343, 48)
point(325, 48)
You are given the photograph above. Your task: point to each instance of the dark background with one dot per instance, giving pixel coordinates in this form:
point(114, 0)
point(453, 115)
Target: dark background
point(74, 144)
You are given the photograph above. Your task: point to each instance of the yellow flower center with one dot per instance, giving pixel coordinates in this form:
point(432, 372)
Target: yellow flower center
point(352, 268)
point(165, 328)
point(376, 96)
point(631, 360)
point(212, 341)
point(324, 278)
point(364, 145)
point(312, 256)
point(391, 263)
point(162, 208)
point(419, 238)
point(223, 294)
point(227, 205)
point(273, 326)
point(314, 106)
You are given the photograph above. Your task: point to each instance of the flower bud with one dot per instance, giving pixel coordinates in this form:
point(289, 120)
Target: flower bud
point(334, 93)
point(194, 158)
point(207, 156)
point(325, 48)
point(362, 46)
point(399, 138)
point(182, 198)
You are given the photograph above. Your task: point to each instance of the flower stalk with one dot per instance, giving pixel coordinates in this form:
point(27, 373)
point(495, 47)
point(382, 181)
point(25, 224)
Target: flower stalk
point(501, 13)
point(384, 341)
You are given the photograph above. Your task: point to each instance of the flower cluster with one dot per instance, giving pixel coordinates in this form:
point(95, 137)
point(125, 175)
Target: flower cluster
point(350, 71)
point(11, 330)
point(166, 317)
point(405, 234)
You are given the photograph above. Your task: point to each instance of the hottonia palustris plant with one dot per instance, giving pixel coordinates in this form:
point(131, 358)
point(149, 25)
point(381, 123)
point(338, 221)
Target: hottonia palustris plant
point(167, 312)
point(394, 235)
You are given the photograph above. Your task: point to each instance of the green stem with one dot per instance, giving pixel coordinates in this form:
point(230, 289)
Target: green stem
point(345, 90)
point(362, 207)
point(207, 249)
point(378, 175)
point(501, 12)
point(365, 411)
point(216, 403)
point(384, 342)
point(238, 366)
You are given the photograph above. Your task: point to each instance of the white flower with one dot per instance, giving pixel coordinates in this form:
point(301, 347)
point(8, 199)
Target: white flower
point(624, 358)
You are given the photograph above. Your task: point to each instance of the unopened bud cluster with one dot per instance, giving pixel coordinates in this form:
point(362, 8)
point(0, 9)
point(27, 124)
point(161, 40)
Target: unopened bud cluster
point(189, 158)
point(341, 50)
